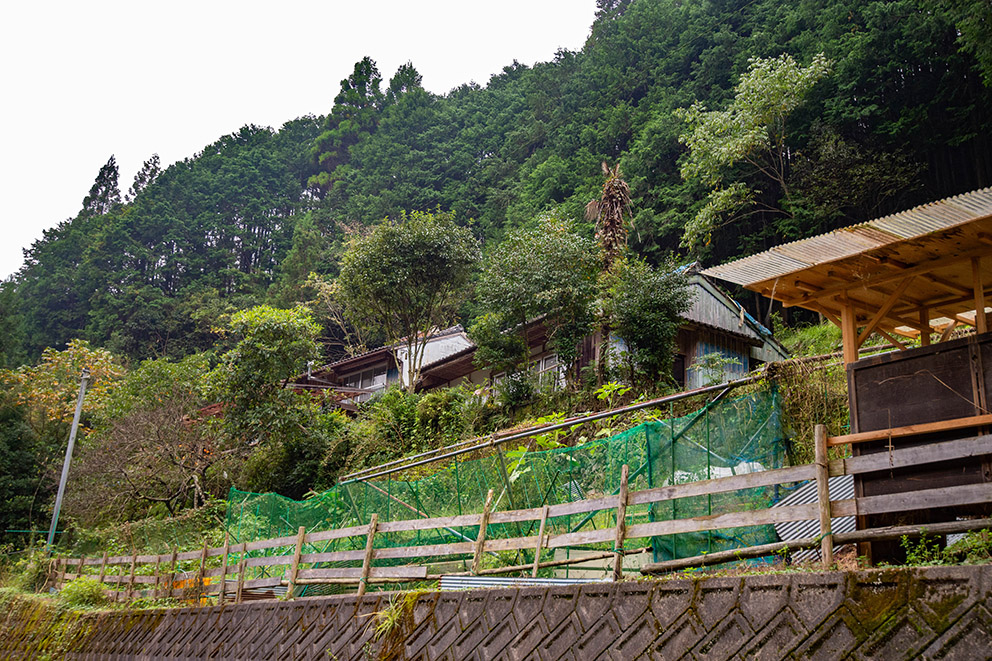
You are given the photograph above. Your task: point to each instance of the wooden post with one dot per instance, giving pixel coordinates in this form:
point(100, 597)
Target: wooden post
point(925, 331)
point(294, 569)
point(823, 495)
point(156, 591)
point(200, 578)
point(103, 567)
point(64, 563)
point(172, 573)
point(540, 542)
point(849, 332)
point(981, 326)
point(241, 575)
point(480, 541)
point(82, 563)
point(130, 580)
point(367, 561)
point(621, 525)
point(223, 570)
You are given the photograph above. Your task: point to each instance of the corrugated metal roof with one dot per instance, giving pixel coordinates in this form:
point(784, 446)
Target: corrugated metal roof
point(849, 241)
point(841, 488)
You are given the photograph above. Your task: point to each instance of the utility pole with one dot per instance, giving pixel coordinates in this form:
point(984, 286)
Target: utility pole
point(83, 379)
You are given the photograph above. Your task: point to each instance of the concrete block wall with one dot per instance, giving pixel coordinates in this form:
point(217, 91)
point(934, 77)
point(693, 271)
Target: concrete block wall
point(933, 613)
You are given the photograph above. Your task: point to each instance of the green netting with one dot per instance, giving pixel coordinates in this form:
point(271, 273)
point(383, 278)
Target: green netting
point(725, 437)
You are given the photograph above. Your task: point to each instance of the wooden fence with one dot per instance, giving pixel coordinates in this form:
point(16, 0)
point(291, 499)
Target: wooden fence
point(229, 580)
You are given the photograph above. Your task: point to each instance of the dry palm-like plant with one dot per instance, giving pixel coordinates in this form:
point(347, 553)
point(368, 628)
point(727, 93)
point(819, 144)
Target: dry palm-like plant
point(609, 211)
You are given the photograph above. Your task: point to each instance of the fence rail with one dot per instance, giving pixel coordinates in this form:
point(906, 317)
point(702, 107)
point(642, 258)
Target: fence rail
point(126, 577)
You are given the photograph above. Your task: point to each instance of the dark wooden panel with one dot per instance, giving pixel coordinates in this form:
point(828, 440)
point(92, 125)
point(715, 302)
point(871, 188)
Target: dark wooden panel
point(928, 384)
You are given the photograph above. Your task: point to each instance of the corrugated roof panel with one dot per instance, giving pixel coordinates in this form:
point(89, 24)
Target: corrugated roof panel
point(799, 255)
point(841, 488)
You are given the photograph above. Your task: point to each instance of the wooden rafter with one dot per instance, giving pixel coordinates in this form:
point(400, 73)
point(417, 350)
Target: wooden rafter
point(884, 310)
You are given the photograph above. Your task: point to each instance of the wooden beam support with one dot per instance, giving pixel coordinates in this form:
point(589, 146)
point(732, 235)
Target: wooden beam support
point(621, 530)
point(367, 560)
point(946, 284)
point(884, 310)
point(888, 276)
point(849, 333)
point(925, 321)
point(976, 276)
point(823, 495)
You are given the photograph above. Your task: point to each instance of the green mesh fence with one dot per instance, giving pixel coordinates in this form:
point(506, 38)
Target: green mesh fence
point(726, 437)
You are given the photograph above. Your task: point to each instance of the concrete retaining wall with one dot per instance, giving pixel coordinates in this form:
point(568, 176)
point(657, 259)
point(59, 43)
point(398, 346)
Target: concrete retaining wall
point(935, 613)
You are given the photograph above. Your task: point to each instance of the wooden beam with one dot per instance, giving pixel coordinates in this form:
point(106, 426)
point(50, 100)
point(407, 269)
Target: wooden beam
point(884, 310)
point(925, 321)
point(947, 330)
point(976, 277)
point(879, 279)
point(849, 333)
point(823, 495)
point(890, 338)
point(946, 284)
point(911, 430)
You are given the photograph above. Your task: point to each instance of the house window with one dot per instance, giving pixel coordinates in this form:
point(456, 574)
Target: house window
point(548, 370)
point(373, 379)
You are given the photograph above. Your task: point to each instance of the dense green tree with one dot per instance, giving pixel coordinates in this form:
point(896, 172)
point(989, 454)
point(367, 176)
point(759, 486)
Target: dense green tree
point(645, 307)
point(407, 278)
point(105, 194)
point(546, 271)
point(751, 130)
point(149, 171)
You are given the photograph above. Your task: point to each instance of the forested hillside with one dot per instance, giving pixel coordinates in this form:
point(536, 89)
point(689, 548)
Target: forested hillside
point(900, 116)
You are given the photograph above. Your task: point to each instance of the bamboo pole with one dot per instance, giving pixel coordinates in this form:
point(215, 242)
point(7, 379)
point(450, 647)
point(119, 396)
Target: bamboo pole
point(480, 541)
point(857, 536)
point(295, 567)
point(223, 570)
point(540, 542)
point(550, 563)
point(367, 561)
point(823, 495)
point(621, 525)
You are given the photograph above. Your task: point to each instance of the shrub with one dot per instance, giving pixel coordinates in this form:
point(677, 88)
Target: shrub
point(85, 592)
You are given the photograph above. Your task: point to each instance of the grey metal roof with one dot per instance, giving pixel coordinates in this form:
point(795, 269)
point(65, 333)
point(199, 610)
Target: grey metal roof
point(841, 488)
point(850, 241)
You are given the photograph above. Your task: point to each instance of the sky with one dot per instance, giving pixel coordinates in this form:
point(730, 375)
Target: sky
point(81, 81)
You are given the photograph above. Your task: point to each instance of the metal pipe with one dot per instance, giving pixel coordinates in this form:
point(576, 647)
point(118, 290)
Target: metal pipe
point(561, 425)
point(83, 379)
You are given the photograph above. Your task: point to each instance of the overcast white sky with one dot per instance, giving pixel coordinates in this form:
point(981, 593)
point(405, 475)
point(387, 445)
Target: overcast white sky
point(83, 80)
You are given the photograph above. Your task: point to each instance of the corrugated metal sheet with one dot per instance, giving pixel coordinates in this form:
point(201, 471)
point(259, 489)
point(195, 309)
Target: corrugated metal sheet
point(841, 488)
point(914, 223)
point(472, 582)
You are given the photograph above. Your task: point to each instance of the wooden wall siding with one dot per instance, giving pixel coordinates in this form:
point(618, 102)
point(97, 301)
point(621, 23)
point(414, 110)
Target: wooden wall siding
point(939, 382)
point(928, 613)
point(696, 342)
point(713, 308)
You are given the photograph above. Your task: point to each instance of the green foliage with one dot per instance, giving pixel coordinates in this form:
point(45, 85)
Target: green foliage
point(82, 592)
point(30, 572)
point(408, 277)
point(550, 271)
point(751, 129)
point(645, 307)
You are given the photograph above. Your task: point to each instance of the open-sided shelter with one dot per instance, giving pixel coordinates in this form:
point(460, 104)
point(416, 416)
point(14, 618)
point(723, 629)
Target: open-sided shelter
point(907, 275)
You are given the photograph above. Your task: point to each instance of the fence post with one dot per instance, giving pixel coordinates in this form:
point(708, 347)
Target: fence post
point(223, 570)
point(295, 567)
point(540, 542)
point(103, 567)
point(156, 591)
point(481, 540)
point(621, 525)
point(172, 573)
point(241, 574)
point(823, 495)
point(130, 580)
point(82, 562)
point(200, 577)
point(367, 562)
point(64, 563)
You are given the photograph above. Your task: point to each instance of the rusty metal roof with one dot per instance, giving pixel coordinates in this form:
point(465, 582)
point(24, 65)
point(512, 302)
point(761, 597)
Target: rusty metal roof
point(851, 241)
